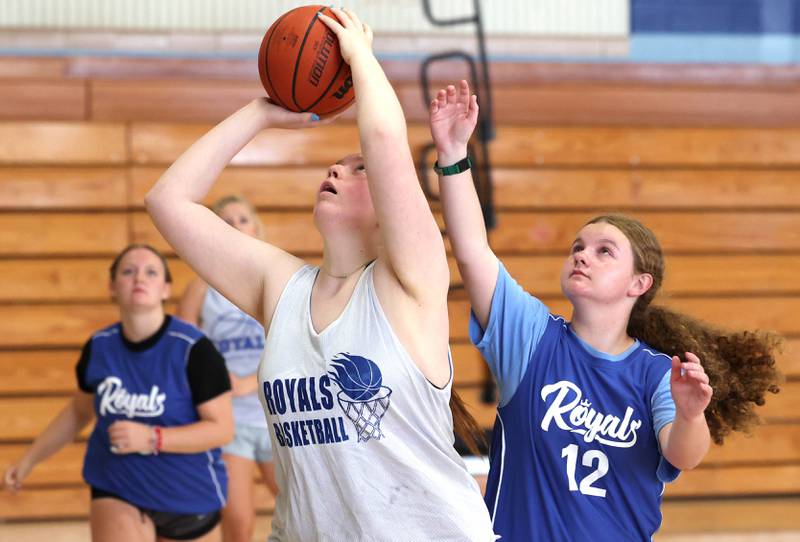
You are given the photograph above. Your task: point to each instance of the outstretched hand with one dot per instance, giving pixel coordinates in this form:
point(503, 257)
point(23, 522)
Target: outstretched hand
point(275, 116)
point(355, 37)
point(689, 385)
point(453, 116)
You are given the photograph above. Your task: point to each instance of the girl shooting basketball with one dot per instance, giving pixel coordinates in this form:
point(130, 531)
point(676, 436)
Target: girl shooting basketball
point(593, 418)
point(356, 377)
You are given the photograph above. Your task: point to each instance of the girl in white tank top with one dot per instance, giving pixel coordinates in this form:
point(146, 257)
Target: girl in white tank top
point(352, 418)
point(356, 374)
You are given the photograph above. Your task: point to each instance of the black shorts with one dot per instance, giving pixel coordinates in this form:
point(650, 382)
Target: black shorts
point(169, 524)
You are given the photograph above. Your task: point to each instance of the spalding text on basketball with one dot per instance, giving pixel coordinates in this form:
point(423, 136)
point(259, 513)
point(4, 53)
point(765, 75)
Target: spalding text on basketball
point(321, 60)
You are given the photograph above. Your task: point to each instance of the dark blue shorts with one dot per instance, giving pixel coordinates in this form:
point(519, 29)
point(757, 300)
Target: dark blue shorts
point(170, 524)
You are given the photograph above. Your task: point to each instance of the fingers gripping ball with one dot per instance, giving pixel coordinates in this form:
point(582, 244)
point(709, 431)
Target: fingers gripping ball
point(300, 65)
point(359, 378)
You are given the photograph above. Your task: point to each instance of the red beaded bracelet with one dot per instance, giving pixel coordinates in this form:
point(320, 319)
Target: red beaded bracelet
point(158, 440)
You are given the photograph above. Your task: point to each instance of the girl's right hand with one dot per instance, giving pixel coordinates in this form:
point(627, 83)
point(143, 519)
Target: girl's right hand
point(453, 116)
point(275, 116)
point(14, 475)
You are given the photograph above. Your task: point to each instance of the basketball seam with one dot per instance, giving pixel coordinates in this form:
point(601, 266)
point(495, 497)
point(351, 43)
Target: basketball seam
point(325, 93)
point(300, 56)
point(340, 108)
point(266, 62)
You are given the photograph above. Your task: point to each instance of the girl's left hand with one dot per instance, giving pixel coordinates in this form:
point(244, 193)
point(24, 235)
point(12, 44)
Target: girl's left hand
point(130, 437)
point(355, 37)
point(453, 116)
point(689, 385)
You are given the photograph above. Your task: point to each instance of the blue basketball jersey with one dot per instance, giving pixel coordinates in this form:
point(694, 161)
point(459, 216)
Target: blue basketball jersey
point(574, 453)
point(150, 387)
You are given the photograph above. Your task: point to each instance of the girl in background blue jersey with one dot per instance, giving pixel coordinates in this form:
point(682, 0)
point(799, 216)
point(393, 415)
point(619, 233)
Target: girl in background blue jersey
point(593, 418)
point(160, 395)
point(240, 339)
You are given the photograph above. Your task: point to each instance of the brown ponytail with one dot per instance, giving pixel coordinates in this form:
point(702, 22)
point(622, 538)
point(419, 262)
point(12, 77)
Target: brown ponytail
point(465, 425)
point(740, 365)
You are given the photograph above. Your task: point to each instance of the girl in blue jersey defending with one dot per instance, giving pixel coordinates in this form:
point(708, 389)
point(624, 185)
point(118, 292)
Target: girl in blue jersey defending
point(160, 397)
point(240, 339)
point(356, 379)
point(593, 417)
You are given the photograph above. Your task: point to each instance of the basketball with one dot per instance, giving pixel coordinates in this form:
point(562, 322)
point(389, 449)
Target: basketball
point(300, 65)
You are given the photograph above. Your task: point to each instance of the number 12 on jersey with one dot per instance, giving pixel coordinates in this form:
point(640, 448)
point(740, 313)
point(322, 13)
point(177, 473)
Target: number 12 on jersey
point(588, 459)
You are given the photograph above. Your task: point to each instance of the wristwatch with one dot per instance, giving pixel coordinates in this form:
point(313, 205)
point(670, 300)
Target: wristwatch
point(459, 167)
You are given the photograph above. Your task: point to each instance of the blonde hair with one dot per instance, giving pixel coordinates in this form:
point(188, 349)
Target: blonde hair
point(224, 201)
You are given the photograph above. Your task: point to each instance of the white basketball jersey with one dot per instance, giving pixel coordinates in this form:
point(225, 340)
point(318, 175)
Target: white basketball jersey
point(240, 339)
point(363, 442)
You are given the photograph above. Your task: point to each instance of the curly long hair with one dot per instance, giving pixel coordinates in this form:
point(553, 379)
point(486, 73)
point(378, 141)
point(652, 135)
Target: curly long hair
point(740, 365)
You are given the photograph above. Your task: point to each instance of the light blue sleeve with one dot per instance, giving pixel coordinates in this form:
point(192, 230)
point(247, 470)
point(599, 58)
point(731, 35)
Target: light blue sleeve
point(663, 409)
point(517, 321)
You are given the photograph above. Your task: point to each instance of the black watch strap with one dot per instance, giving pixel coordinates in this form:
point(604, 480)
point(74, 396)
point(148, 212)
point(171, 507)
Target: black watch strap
point(459, 167)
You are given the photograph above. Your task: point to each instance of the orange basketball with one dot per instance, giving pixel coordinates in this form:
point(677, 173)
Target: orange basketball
point(300, 65)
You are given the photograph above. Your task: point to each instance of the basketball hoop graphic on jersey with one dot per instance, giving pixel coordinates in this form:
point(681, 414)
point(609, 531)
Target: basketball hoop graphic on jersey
point(362, 396)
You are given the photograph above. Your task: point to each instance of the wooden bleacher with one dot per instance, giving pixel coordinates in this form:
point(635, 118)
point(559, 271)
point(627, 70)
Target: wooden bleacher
point(709, 159)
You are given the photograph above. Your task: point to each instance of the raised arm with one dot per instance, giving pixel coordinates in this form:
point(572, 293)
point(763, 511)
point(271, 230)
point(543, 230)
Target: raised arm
point(247, 271)
point(409, 233)
point(453, 115)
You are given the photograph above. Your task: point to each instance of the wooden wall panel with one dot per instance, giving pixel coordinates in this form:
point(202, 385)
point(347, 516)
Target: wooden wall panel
point(52, 503)
point(64, 468)
point(602, 104)
point(691, 232)
point(277, 187)
point(57, 325)
point(67, 143)
point(62, 234)
point(24, 419)
point(694, 275)
point(43, 99)
point(69, 280)
point(582, 188)
point(737, 481)
point(158, 143)
point(33, 67)
point(526, 146)
point(52, 372)
point(37, 326)
point(170, 100)
point(291, 231)
point(38, 372)
point(746, 516)
point(515, 146)
point(59, 188)
point(553, 233)
point(86, 279)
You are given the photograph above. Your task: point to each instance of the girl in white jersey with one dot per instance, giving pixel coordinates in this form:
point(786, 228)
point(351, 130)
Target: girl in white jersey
point(356, 374)
point(240, 338)
point(593, 418)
